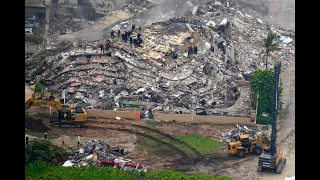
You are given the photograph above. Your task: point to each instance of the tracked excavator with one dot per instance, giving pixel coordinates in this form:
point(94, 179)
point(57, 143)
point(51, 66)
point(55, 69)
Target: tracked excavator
point(68, 115)
point(273, 158)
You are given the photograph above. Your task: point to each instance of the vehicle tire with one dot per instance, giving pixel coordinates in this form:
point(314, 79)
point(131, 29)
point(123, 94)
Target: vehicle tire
point(259, 169)
point(241, 153)
point(257, 150)
point(280, 167)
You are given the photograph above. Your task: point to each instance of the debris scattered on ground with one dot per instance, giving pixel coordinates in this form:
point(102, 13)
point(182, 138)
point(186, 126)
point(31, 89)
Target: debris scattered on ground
point(97, 153)
point(240, 130)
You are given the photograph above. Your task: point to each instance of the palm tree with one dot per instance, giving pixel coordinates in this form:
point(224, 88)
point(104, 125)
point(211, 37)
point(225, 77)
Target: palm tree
point(270, 45)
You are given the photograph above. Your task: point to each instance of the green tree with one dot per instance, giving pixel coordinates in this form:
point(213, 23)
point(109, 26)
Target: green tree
point(270, 45)
point(262, 85)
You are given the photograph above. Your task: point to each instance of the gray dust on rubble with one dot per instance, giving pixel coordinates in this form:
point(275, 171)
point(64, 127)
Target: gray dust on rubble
point(229, 43)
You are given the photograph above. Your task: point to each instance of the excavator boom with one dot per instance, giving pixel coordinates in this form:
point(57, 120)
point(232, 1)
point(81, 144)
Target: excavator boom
point(40, 102)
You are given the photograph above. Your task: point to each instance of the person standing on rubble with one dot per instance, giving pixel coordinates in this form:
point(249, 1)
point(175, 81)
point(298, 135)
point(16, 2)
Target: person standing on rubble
point(45, 136)
point(78, 141)
point(102, 47)
point(27, 139)
point(189, 51)
point(203, 102)
point(133, 27)
point(112, 34)
point(195, 49)
point(118, 33)
point(130, 40)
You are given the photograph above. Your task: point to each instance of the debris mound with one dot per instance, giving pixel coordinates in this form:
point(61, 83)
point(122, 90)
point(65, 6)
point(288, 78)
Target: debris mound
point(240, 130)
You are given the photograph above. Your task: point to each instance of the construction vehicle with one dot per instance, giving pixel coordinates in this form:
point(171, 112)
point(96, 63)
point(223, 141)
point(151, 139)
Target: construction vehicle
point(244, 145)
point(68, 115)
point(273, 158)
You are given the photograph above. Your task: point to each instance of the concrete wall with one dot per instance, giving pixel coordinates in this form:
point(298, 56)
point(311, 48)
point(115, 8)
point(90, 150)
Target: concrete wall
point(96, 113)
point(203, 119)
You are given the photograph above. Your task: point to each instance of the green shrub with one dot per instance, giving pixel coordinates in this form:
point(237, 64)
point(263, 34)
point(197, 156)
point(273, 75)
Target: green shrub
point(43, 82)
point(44, 151)
point(37, 89)
point(37, 39)
point(264, 120)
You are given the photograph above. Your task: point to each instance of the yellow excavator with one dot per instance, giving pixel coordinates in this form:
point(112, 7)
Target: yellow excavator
point(244, 145)
point(68, 115)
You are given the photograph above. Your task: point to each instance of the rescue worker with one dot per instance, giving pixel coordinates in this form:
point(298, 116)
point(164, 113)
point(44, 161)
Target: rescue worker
point(27, 139)
point(45, 135)
point(118, 33)
point(203, 102)
point(195, 50)
point(112, 34)
point(78, 141)
point(102, 47)
point(190, 51)
point(133, 27)
point(130, 40)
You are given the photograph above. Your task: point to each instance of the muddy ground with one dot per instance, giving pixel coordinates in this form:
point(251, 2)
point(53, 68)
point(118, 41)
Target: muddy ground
point(128, 133)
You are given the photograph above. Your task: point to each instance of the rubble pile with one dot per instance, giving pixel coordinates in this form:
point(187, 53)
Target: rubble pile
point(97, 153)
point(229, 48)
point(240, 130)
point(91, 153)
point(69, 18)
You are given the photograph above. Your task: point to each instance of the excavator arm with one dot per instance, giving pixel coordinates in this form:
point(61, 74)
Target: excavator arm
point(38, 102)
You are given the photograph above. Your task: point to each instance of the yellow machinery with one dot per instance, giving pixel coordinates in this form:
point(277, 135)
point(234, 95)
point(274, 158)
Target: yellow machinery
point(68, 116)
point(244, 145)
point(273, 158)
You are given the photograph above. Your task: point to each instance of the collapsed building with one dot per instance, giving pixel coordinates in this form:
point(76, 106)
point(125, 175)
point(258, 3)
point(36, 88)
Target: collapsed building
point(166, 70)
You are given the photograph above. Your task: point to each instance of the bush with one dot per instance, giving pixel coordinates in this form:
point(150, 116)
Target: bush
point(37, 39)
point(37, 89)
point(43, 82)
point(44, 151)
point(264, 120)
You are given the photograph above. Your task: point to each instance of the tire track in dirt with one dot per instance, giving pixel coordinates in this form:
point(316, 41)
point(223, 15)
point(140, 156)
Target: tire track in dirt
point(181, 153)
point(129, 126)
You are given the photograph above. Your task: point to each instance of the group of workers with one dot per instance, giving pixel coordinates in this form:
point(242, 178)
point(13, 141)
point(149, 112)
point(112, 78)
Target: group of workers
point(27, 137)
point(46, 138)
point(128, 35)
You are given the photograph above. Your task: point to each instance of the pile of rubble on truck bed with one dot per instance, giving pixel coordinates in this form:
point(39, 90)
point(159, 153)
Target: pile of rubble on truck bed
point(229, 45)
point(97, 153)
point(240, 130)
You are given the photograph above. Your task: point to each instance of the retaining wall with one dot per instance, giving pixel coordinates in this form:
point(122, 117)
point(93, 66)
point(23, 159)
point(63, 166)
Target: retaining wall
point(203, 119)
point(96, 113)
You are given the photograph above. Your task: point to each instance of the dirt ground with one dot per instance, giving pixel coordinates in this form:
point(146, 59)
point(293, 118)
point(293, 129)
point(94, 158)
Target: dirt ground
point(96, 31)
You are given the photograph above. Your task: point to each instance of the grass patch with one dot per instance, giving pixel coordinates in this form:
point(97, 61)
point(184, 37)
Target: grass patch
point(41, 170)
point(203, 145)
point(41, 134)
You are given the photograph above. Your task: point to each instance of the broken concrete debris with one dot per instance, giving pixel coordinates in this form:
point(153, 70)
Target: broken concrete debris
point(197, 56)
point(240, 130)
point(96, 152)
